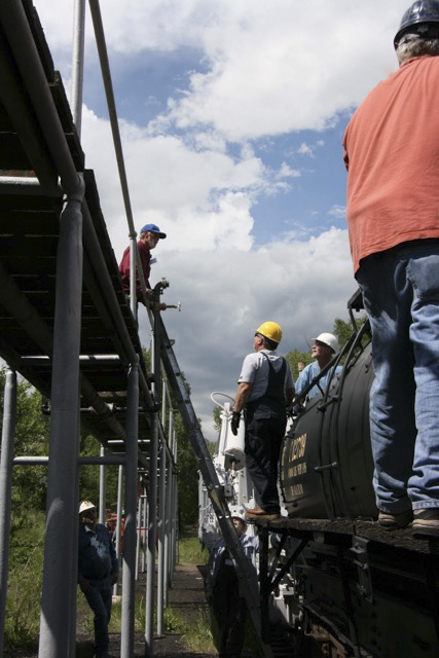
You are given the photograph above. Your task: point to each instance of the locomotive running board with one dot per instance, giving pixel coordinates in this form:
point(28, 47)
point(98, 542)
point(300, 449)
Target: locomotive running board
point(244, 570)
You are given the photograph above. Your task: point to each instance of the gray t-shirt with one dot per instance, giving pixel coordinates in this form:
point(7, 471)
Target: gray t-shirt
point(255, 371)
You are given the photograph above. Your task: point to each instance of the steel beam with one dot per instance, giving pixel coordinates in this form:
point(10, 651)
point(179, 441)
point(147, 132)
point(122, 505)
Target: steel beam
point(7, 455)
point(57, 614)
point(129, 547)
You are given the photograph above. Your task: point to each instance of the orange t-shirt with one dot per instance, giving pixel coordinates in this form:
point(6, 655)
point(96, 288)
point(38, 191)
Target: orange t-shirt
point(391, 152)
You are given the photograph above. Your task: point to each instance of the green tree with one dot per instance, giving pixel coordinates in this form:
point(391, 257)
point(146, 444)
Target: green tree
point(31, 439)
point(187, 476)
point(217, 418)
point(294, 357)
point(344, 330)
point(187, 468)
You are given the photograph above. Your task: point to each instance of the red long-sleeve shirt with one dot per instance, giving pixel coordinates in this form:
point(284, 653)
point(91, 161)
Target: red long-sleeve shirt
point(124, 267)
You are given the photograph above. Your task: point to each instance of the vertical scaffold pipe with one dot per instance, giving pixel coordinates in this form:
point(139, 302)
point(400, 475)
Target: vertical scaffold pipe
point(119, 518)
point(58, 610)
point(139, 523)
point(168, 513)
point(152, 526)
point(133, 276)
point(152, 490)
point(78, 63)
point(74, 567)
point(168, 530)
point(174, 515)
point(129, 534)
point(102, 489)
point(7, 455)
point(144, 532)
point(161, 537)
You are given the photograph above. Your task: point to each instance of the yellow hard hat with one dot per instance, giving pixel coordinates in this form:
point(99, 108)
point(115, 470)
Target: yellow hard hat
point(270, 330)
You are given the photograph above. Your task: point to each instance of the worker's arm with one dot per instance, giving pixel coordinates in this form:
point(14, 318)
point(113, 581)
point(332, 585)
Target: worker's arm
point(244, 389)
point(289, 395)
point(241, 397)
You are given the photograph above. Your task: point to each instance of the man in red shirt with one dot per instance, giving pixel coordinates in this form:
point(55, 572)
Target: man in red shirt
point(392, 156)
point(149, 236)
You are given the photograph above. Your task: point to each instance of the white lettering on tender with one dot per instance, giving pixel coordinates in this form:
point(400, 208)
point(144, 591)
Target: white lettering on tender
point(298, 448)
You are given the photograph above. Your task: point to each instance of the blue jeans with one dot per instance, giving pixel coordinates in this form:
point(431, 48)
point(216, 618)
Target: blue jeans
point(99, 599)
point(401, 295)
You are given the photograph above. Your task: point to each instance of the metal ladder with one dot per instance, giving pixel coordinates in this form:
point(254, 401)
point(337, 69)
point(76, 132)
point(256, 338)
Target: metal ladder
point(246, 579)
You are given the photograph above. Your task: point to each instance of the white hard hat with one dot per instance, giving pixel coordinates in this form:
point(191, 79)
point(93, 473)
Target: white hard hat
point(329, 340)
point(237, 513)
point(86, 504)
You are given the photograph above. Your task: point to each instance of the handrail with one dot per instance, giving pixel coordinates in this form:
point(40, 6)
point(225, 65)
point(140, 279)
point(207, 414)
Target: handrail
point(111, 103)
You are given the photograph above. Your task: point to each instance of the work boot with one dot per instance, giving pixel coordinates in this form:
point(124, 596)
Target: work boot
point(395, 521)
point(259, 513)
point(426, 522)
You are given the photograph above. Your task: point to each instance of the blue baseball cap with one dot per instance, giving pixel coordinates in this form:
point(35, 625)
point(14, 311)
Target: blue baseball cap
point(154, 229)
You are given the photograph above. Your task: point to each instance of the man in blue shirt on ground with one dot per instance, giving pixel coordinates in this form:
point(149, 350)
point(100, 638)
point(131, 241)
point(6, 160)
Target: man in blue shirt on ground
point(97, 571)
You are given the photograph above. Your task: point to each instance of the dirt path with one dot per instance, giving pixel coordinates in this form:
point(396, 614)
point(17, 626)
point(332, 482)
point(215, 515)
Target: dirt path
point(187, 599)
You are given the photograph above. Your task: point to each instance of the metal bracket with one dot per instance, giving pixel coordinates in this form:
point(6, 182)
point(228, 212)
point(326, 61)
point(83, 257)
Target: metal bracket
point(364, 585)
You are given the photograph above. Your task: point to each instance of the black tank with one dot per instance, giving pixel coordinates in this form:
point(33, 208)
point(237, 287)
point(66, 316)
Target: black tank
point(326, 461)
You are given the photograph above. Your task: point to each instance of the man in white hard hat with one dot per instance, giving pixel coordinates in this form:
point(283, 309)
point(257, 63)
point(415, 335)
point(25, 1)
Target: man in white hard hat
point(222, 589)
point(97, 571)
point(323, 349)
point(265, 388)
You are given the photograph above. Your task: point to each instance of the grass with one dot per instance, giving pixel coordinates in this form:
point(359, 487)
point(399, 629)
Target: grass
point(25, 578)
point(24, 596)
point(190, 551)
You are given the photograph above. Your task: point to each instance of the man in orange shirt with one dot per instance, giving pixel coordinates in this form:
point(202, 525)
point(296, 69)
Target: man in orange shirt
point(392, 156)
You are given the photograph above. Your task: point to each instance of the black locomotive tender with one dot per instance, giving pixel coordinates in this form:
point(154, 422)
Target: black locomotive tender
point(348, 587)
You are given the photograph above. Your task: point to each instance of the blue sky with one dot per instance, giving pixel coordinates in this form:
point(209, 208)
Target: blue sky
point(232, 115)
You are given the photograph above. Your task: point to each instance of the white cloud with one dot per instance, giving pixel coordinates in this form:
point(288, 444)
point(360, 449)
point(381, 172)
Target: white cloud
point(302, 285)
point(305, 149)
point(268, 67)
point(287, 172)
point(338, 212)
point(202, 197)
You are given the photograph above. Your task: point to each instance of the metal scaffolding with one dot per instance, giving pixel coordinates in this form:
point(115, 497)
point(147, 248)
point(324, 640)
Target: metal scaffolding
point(78, 341)
point(68, 328)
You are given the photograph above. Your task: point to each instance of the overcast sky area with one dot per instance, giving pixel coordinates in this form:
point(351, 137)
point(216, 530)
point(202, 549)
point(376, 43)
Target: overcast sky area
point(232, 115)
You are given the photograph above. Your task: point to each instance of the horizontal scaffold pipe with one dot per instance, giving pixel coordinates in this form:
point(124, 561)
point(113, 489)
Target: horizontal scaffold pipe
point(24, 185)
point(97, 460)
point(43, 360)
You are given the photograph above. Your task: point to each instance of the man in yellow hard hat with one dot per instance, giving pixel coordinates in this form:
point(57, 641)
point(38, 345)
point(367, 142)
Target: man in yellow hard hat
point(265, 388)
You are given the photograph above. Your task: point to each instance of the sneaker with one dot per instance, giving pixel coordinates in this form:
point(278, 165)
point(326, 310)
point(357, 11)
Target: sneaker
point(426, 522)
point(394, 521)
point(259, 513)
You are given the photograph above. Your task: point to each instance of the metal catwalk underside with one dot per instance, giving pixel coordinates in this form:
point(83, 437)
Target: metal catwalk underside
point(66, 326)
point(30, 206)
